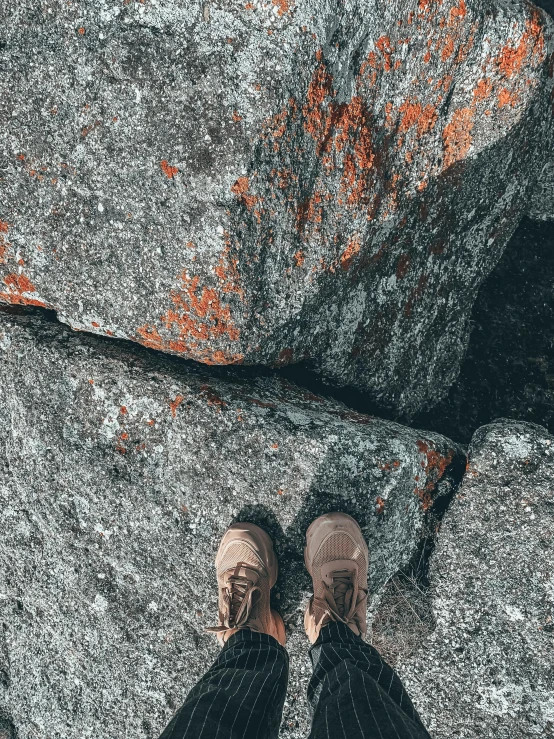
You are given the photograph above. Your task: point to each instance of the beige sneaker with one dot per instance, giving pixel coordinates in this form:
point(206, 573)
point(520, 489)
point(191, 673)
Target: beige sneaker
point(246, 571)
point(337, 558)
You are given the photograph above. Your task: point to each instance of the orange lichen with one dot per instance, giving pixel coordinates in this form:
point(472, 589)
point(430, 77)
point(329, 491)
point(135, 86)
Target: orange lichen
point(483, 89)
point(340, 126)
point(17, 286)
point(435, 463)
point(425, 496)
point(308, 211)
point(240, 189)
point(3, 243)
point(458, 12)
point(123, 410)
point(168, 170)
point(427, 57)
point(379, 505)
point(389, 121)
point(384, 46)
point(371, 61)
point(81, 31)
point(464, 49)
point(316, 123)
point(199, 318)
point(88, 129)
point(448, 48)
point(227, 271)
point(277, 125)
point(531, 44)
point(285, 178)
point(174, 404)
point(283, 6)
point(414, 114)
point(457, 136)
point(505, 97)
point(350, 252)
point(151, 337)
point(299, 258)
point(236, 116)
point(199, 313)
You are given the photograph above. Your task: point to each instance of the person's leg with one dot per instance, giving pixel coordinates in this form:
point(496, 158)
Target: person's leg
point(355, 694)
point(241, 695)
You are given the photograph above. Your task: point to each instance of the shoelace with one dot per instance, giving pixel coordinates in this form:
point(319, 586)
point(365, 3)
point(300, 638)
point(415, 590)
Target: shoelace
point(237, 604)
point(340, 601)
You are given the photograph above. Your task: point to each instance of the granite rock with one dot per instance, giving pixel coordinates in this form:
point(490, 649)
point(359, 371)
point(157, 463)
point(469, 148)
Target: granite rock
point(119, 473)
point(272, 182)
point(542, 202)
point(487, 670)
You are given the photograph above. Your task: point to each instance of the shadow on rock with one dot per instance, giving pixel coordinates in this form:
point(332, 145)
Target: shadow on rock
point(294, 583)
point(7, 727)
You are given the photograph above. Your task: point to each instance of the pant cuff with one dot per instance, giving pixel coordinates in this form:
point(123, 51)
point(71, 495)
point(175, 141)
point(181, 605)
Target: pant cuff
point(336, 632)
point(247, 636)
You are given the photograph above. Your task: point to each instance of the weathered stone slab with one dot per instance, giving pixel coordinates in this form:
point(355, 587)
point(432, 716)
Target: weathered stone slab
point(488, 668)
point(249, 182)
point(119, 475)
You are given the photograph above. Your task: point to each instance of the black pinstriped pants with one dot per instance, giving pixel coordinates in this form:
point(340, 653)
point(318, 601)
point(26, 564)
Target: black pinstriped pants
point(353, 692)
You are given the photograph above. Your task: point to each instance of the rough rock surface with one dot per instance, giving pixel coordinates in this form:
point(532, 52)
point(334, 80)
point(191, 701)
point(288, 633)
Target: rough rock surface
point(488, 668)
point(542, 201)
point(272, 182)
point(120, 473)
point(509, 366)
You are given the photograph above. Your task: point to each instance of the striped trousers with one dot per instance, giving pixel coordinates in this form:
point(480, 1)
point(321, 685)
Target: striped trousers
point(354, 694)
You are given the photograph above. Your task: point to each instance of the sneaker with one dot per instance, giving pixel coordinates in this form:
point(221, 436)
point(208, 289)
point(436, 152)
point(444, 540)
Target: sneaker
point(337, 558)
point(247, 569)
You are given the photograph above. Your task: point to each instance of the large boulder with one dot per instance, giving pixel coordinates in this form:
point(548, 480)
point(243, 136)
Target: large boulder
point(120, 472)
point(488, 668)
point(272, 182)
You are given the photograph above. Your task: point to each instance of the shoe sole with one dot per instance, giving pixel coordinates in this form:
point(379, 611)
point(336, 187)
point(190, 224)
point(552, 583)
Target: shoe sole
point(331, 523)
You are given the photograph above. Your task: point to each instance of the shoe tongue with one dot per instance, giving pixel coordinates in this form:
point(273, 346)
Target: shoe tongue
point(342, 585)
point(241, 573)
